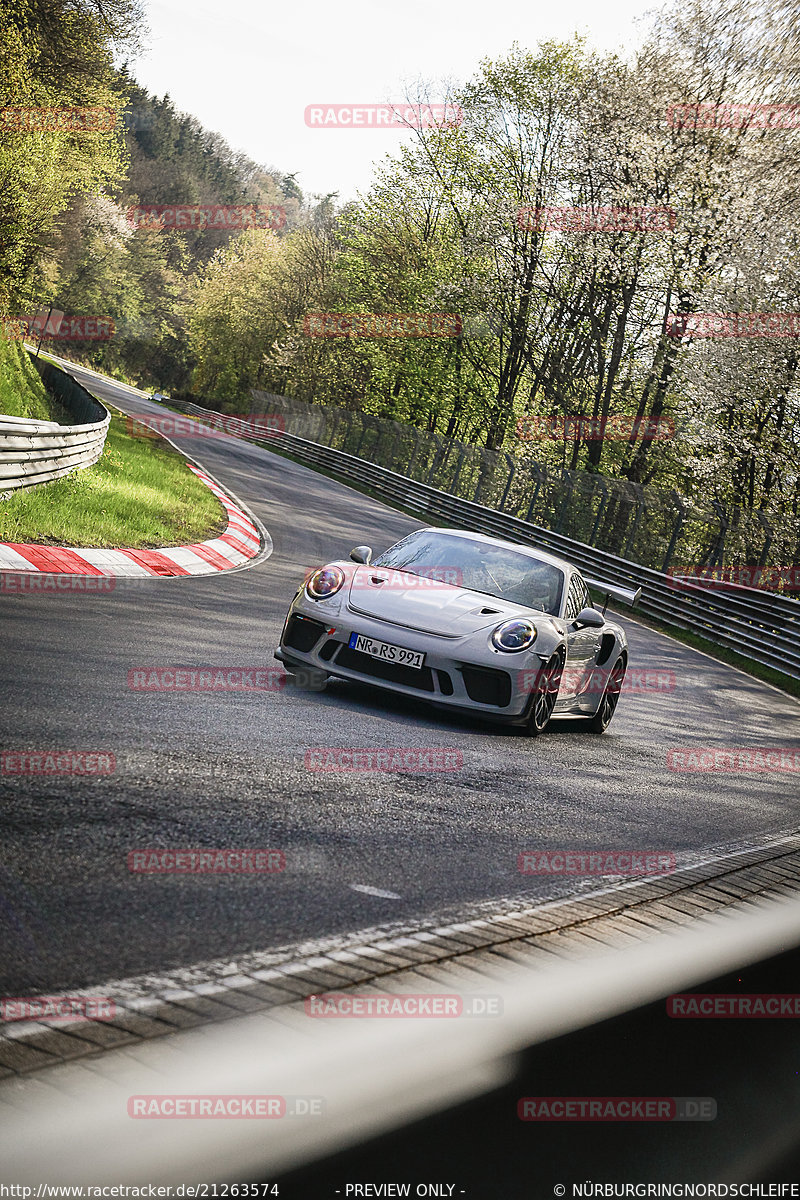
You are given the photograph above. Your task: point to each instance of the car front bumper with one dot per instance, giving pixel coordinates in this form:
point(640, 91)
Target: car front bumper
point(458, 673)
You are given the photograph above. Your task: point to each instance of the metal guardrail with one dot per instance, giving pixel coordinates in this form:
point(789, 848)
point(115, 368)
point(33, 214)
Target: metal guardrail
point(761, 626)
point(34, 452)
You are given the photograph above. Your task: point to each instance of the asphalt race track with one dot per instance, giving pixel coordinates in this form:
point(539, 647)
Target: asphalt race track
point(227, 769)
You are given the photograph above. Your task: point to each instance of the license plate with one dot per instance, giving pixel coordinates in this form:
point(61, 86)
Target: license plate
point(385, 651)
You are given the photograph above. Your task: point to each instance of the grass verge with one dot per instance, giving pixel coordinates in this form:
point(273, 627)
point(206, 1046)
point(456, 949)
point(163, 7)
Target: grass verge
point(140, 494)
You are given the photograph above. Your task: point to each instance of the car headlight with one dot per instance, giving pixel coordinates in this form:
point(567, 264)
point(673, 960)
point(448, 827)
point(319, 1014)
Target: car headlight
point(514, 635)
point(325, 583)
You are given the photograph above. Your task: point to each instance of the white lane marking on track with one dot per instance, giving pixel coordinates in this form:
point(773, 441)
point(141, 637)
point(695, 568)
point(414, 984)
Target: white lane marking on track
point(373, 891)
point(142, 992)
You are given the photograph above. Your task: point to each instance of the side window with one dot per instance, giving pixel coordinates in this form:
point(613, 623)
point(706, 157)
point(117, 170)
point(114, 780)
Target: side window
point(573, 599)
point(585, 598)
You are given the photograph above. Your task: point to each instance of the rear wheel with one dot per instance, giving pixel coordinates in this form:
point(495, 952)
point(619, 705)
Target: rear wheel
point(545, 694)
point(601, 720)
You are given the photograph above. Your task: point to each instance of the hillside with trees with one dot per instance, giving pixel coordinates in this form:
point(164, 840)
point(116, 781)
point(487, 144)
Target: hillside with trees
point(570, 327)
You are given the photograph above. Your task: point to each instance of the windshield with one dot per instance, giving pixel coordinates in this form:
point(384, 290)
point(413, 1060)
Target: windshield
point(494, 570)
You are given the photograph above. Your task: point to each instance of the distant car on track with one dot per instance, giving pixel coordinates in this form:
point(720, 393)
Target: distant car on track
point(464, 621)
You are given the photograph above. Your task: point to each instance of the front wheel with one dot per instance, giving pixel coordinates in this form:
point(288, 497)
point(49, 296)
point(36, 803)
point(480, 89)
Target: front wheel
point(545, 694)
point(601, 720)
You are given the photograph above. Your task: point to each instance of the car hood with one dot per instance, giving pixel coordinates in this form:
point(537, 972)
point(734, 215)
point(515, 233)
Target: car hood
point(417, 602)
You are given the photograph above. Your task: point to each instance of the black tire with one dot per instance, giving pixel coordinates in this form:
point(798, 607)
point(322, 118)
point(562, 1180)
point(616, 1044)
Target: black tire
point(601, 720)
point(545, 694)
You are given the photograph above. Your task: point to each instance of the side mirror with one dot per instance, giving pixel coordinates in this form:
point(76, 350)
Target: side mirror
point(589, 618)
point(361, 554)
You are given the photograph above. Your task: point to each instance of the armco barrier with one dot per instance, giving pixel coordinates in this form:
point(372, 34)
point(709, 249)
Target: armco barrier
point(759, 625)
point(33, 452)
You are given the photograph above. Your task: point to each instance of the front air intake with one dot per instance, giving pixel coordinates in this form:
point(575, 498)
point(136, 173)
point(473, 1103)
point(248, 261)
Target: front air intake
point(302, 633)
point(485, 686)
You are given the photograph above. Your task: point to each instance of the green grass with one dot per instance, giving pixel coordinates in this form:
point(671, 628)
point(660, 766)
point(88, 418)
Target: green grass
point(22, 393)
point(140, 494)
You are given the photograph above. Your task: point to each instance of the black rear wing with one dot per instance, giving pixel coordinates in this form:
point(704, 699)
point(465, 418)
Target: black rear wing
point(614, 591)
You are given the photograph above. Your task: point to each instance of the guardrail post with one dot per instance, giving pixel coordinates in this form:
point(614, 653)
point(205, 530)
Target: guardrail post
point(462, 448)
point(540, 473)
point(437, 460)
point(638, 492)
point(680, 517)
point(363, 420)
point(717, 552)
point(336, 416)
point(566, 478)
point(410, 466)
point(601, 508)
point(765, 525)
point(512, 462)
point(390, 457)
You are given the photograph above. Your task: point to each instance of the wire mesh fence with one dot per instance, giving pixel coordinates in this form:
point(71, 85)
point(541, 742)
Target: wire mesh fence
point(656, 527)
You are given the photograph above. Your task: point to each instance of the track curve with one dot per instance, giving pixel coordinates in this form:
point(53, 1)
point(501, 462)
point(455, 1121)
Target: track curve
point(226, 769)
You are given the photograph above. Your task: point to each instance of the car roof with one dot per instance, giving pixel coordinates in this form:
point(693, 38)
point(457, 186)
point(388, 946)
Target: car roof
point(531, 551)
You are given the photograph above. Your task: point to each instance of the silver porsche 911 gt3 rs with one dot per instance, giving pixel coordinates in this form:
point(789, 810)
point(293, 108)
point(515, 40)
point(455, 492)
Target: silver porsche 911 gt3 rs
point(469, 622)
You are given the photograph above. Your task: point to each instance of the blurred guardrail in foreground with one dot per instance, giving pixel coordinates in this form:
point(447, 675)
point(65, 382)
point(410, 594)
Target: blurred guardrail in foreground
point(364, 1079)
point(33, 452)
point(762, 626)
